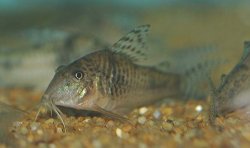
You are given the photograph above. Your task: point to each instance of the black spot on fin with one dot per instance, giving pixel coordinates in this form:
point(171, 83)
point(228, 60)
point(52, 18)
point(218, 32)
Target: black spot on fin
point(133, 44)
point(163, 66)
point(196, 77)
point(183, 60)
point(194, 65)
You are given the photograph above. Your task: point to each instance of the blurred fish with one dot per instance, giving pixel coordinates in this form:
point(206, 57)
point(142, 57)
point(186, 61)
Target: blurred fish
point(39, 51)
point(233, 91)
point(8, 114)
point(111, 82)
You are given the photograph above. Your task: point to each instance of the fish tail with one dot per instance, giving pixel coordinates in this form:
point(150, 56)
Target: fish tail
point(194, 66)
point(195, 80)
point(196, 75)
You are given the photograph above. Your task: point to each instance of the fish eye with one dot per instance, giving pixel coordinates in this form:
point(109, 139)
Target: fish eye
point(79, 75)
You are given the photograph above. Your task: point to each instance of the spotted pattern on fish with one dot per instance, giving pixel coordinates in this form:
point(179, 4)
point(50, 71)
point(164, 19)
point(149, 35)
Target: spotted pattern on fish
point(133, 43)
point(232, 84)
point(110, 81)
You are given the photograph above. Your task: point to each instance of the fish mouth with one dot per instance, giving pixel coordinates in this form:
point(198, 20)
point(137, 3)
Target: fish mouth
point(49, 104)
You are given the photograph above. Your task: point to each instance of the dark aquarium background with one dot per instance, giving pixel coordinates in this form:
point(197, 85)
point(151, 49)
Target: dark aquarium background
point(37, 36)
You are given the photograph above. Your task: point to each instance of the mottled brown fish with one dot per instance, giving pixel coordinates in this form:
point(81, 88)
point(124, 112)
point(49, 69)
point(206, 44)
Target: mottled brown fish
point(228, 96)
point(110, 82)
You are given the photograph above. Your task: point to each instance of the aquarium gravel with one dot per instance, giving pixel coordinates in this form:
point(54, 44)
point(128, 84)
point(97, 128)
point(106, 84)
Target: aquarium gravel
point(172, 124)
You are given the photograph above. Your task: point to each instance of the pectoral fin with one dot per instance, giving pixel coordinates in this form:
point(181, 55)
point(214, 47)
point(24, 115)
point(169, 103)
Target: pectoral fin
point(110, 114)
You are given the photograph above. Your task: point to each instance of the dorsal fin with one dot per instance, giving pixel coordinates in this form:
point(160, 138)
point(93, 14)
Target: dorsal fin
point(133, 44)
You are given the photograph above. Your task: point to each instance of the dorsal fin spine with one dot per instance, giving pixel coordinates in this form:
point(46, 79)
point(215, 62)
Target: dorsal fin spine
point(132, 44)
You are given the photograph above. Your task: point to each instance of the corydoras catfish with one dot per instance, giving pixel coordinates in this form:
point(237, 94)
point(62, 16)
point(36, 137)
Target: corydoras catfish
point(232, 92)
point(110, 82)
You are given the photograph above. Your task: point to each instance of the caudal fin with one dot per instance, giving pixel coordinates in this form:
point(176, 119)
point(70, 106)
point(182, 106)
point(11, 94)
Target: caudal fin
point(194, 65)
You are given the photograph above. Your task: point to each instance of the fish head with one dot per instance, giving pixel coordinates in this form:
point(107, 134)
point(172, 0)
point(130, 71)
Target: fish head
point(71, 87)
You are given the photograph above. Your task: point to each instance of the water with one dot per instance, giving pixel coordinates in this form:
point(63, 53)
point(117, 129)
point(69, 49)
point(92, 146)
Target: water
point(38, 36)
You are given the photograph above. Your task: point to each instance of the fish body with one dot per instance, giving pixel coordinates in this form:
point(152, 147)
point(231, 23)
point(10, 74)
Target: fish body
point(111, 81)
point(232, 85)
